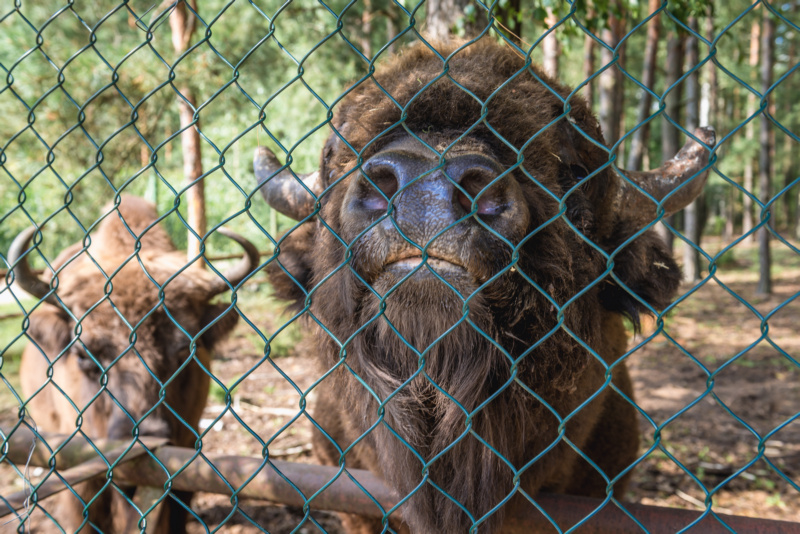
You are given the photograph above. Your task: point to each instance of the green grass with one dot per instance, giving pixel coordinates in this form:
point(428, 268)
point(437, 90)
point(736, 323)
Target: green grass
point(744, 257)
point(217, 394)
point(268, 314)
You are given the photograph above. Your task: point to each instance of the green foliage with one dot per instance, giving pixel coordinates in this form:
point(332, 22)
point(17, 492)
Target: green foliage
point(90, 102)
point(97, 99)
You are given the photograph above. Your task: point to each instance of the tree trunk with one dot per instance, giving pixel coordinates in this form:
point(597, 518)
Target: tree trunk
point(510, 20)
point(588, 69)
point(764, 157)
point(747, 202)
point(619, 86)
point(182, 24)
point(550, 46)
point(391, 32)
point(610, 85)
point(443, 15)
point(788, 178)
point(711, 116)
point(366, 29)
point(641, 136)
point(692, 212)
point(670, 135)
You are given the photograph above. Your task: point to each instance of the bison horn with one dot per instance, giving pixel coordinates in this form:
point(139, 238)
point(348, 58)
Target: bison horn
point(283, 191)
point(237, 273)
point(687, 167)
point(23, 273)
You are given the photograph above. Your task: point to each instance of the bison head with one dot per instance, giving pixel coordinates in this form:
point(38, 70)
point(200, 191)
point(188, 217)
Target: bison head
point(470, 251)
point(120, 329)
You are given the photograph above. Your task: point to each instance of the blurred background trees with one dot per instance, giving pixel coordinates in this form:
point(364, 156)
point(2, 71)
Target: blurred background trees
point(152, 99)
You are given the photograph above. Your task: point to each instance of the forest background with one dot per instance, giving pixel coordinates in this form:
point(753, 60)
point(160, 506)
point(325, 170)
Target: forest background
point(149, 98)
point(169, 100)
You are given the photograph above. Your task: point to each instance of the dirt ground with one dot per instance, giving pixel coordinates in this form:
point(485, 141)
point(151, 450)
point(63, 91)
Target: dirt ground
point(713, 384)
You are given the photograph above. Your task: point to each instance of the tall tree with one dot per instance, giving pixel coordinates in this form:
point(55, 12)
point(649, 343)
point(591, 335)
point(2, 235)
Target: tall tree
point(444, 16)
point(510, 17)
point(670, 135)
point(611, 80)
point(182, 24)
point(641, 136)
point(366, 28)
point(550, 45)
point(691, 214)
point(589, 47)
point(764, 156)
point(747, 202)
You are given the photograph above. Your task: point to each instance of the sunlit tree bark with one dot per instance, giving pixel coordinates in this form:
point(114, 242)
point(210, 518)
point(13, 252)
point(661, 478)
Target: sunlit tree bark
point(765, 156)
point(182, 24)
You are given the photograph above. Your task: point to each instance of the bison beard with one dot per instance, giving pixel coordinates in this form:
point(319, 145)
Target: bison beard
point(461, 370)
point(475, 366)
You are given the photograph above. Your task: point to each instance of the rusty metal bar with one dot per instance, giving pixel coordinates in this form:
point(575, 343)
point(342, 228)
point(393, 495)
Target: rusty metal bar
point(568, 510)
point(18, 447)
point(344, 496)
point(75, 475)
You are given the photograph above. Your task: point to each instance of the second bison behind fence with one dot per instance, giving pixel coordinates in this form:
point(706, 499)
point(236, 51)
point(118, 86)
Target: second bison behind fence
point(124, 349)
point(468, 283)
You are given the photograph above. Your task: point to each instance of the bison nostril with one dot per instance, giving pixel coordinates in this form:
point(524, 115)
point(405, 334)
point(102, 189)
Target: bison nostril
point(381, 183)
point(485, 205)
point(478, 188)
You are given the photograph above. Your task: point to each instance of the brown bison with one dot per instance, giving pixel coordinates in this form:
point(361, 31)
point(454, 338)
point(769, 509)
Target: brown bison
point(126, 351)
point(469, 255)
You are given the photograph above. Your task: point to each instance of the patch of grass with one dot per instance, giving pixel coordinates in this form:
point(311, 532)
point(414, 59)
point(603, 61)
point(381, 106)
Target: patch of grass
point(268, 315)
point(286, 341)
point(217, 394)
point(775, 500)
point(728, 259)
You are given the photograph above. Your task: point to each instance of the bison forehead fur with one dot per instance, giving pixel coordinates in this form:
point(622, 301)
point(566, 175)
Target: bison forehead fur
point(119, 321)
point(478, 364)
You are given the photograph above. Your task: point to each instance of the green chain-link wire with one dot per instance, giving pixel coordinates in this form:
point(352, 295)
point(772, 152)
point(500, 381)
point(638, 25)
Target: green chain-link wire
point(260, 106)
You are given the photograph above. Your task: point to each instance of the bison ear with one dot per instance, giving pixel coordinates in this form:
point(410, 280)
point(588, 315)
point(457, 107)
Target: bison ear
point(648, 271)
point(223, 325)
point(50, 328)
point(290, 273)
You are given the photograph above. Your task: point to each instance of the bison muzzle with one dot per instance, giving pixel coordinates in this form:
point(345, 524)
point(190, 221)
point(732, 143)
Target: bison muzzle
point(470, 254)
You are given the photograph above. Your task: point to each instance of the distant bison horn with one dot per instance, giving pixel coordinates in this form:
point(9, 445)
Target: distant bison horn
point(23, 274)
point(31, 283)
point(241, 270)
point(282, 189)
point(687, 167)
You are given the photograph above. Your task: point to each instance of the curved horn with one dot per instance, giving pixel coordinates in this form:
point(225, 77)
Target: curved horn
point(659, 183)
point(238, 272)
point(281, 189)
point(23, 273)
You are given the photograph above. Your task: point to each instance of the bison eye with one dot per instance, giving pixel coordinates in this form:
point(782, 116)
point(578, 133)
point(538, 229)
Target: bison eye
point(579, 171)
point(85, 362)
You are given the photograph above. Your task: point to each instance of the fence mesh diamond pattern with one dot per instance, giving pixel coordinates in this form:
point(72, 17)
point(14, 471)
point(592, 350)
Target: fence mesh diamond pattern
point(148, 352)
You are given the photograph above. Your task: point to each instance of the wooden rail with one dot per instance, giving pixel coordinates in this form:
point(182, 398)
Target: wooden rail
point(343, 495)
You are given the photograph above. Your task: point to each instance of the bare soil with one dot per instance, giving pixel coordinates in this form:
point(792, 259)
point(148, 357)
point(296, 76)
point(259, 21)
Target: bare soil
point(718, 391)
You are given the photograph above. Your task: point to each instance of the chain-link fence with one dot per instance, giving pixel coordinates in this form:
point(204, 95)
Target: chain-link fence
point(483, 299)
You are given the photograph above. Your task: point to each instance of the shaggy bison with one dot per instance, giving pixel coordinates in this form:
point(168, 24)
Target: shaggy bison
point(113, 343)
point(470, 264)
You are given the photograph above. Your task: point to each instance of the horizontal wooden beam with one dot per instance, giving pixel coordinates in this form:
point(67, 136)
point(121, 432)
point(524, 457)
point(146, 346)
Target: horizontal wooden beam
point(360, 492)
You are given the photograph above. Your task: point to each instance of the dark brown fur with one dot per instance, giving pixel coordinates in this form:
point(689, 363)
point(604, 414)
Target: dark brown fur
point(510, 345)
point(104, 333)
